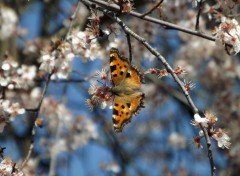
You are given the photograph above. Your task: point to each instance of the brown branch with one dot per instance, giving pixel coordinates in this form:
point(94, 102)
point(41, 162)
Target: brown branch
point(175, 77)
point(116, 8)
point(152, 9)
point(160, 58)
point(210, 156)
point(129, 47)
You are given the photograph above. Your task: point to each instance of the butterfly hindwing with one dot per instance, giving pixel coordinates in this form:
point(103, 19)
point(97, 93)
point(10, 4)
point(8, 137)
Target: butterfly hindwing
point(121, 113)
point(124, 107)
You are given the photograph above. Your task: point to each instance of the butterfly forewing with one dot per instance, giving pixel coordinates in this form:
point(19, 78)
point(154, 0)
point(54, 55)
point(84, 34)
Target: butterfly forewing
point(133, 78)
point(118, 67)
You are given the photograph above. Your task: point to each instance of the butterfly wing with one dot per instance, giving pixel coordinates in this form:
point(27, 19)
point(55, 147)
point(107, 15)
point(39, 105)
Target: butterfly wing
point(124, 107)
point(133, 78)
point(126, 81)
point(118, 67)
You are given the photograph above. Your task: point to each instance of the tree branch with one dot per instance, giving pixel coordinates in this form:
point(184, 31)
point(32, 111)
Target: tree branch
point(210, 156)
point(175, 77)
point(129, 47)
point(116, 8)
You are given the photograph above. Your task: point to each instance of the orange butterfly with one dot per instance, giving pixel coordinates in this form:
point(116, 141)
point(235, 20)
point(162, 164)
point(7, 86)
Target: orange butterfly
point(126, 80)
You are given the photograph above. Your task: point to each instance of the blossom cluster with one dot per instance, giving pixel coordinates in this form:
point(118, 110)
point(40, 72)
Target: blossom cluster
point(14, 77)
point(8, 112)
point(8, 168)
point(222, 8)
point(58, 58)
point(208, 122)
point(188, 85)
point(101, 94)
point(228, 35)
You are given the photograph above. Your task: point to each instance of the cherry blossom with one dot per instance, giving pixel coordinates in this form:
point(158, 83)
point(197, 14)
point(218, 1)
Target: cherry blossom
point(222, 138)
point(228, 35)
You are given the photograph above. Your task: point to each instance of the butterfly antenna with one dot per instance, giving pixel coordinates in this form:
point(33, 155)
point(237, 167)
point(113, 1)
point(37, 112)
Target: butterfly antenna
point(101, 82)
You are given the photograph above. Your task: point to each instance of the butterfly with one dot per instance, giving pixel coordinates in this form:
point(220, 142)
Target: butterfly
point(127, 97)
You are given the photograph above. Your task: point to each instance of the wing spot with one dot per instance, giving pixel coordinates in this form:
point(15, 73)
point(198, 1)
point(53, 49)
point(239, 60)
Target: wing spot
point(113, 68)
point(115, 75)
point(128, 105)
point(121, 72)
point(123, 107)
point(128, 75)
point(115, 112)
point(116, 104)
point(112, 58)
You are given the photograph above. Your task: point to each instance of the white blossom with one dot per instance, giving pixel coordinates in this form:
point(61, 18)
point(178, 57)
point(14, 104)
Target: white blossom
point(198, 119)
point(8, 168)
point(222, 139)
point(228, 35)
point(47, 63)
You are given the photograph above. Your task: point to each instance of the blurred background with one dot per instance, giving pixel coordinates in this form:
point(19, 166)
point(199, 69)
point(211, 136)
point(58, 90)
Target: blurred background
point(75, 141)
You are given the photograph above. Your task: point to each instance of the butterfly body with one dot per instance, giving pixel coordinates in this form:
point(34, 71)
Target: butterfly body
point(128, 98)
point(123, 90)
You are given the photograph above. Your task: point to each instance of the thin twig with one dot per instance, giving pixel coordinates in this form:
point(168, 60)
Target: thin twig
point(210, 156)
point(35, 117)
point(198, 15)
point(116, 8)
point(152, 9)
point(129, 47)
